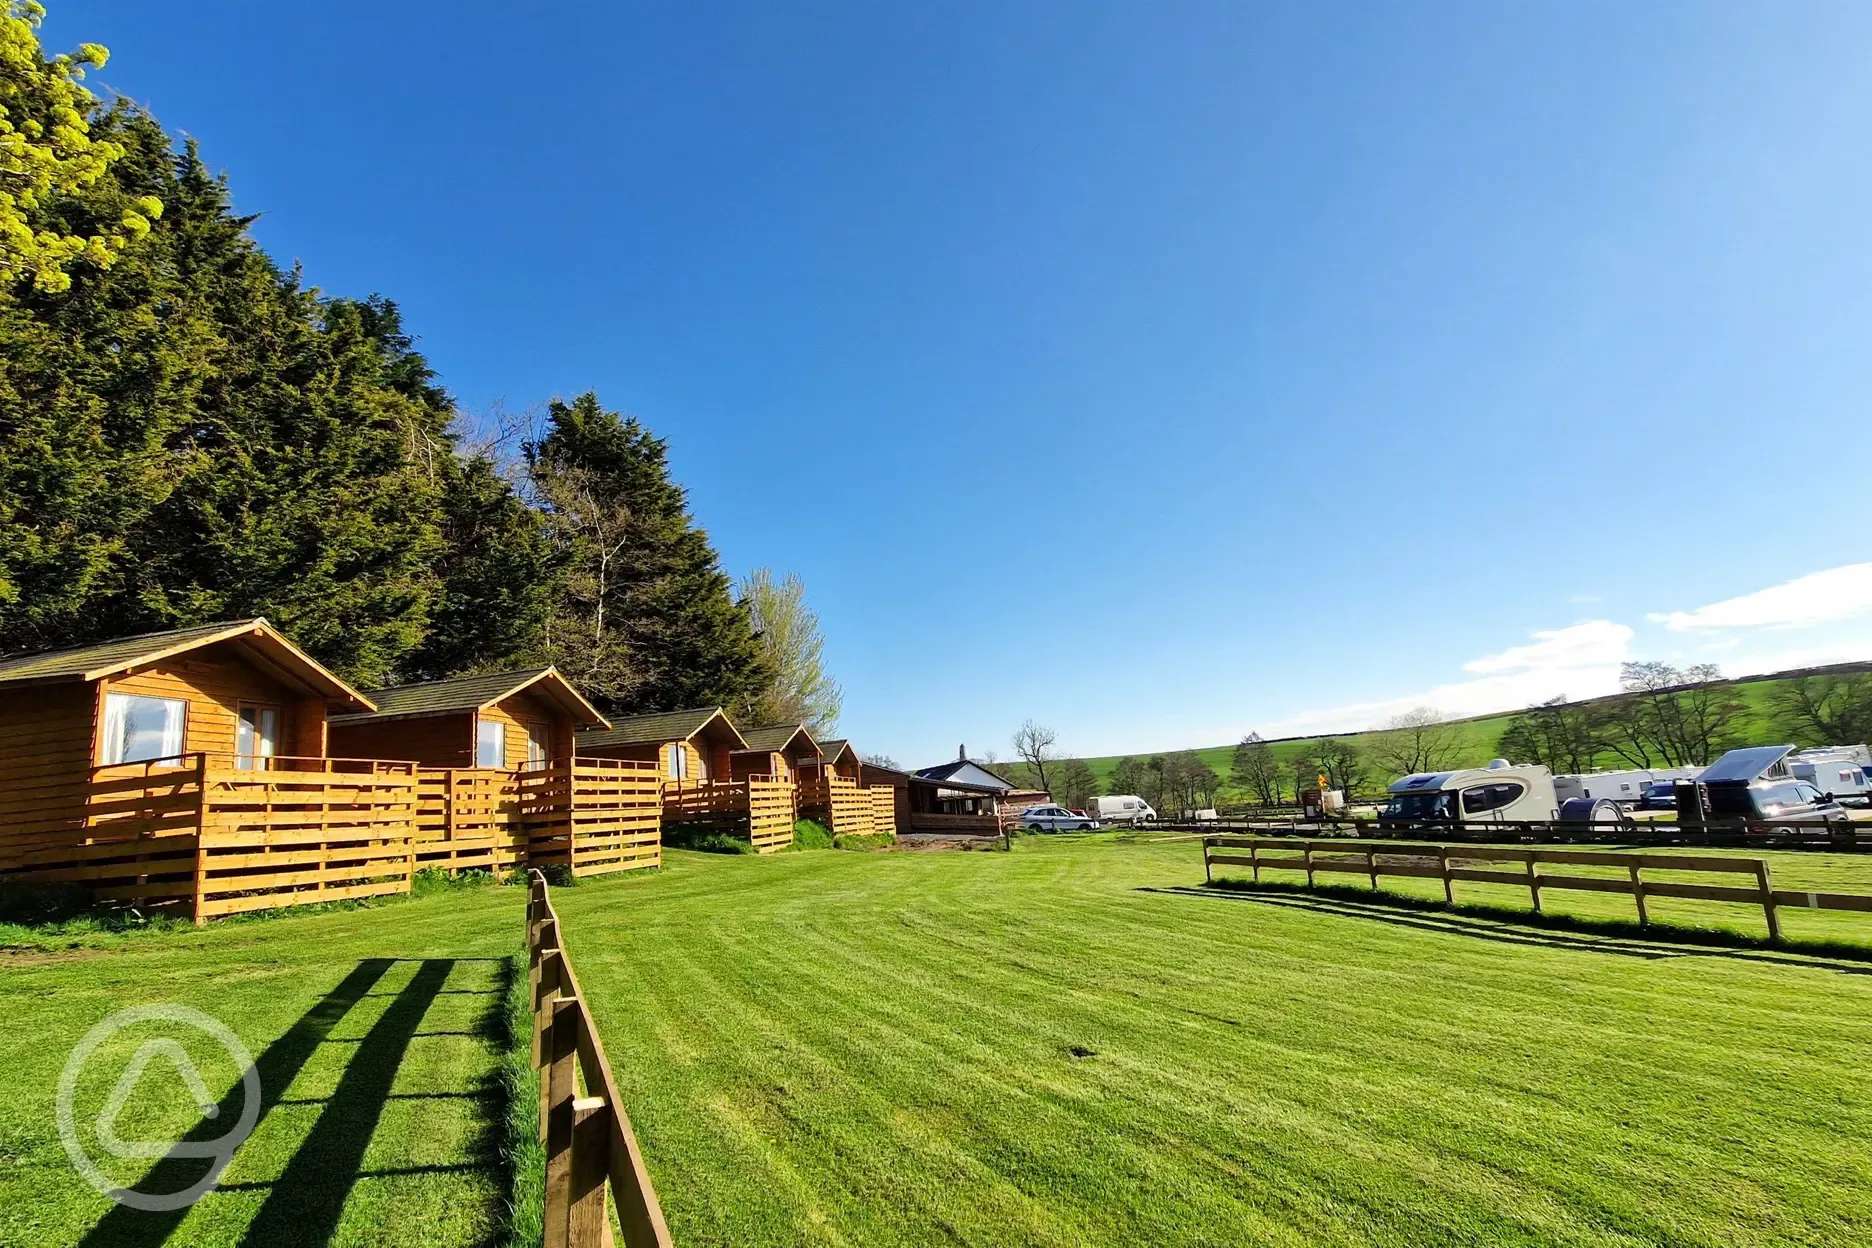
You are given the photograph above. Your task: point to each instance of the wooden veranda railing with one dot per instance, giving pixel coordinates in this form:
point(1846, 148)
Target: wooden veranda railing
point(590, 1148)
point(222, 833)
point(761, 808)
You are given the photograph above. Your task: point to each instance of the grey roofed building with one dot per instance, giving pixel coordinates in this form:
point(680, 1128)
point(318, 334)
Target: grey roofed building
point(965, 770)
point(773, 738)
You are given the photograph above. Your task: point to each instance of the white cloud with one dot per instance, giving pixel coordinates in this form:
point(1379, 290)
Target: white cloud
point(1819, 598)
point(1579, 661)
point(1589, 644)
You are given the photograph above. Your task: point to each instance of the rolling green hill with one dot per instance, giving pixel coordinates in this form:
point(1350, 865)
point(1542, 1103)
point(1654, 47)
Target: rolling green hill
point(1480, 734)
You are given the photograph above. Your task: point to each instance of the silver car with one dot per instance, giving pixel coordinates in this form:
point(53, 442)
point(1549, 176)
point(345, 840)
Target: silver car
point(1055, 819)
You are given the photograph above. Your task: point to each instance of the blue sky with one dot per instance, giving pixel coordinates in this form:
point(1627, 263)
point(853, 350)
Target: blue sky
point(1160, 372)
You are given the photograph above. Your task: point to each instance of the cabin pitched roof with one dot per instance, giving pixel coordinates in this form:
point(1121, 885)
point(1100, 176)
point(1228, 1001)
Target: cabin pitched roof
point(476, 693)
point(263, 645)
point(835, 749)
point(662, 727)
point(773, 738)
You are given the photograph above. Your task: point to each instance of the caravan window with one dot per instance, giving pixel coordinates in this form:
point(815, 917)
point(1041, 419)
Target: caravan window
point(1489, 797)
point(138, 729)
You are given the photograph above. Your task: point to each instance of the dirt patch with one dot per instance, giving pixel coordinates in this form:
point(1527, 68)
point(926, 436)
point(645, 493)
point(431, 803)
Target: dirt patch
point(21, 955)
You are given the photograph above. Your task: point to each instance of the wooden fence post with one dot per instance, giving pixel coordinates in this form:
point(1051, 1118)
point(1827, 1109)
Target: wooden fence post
point(587, 1225)
point(1208, 874)
point(560, 1090)
point(1533, 880)
point(1768, 901)
point(1254, 862)
point(1371, 865)
point(1306, 853)
point(1637, 892)
point(1449, 887)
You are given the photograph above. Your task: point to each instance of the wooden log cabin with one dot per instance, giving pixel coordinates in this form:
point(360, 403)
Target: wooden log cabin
point(777, 750)
point(695, 745)
point(501, 782)
point(191, 768)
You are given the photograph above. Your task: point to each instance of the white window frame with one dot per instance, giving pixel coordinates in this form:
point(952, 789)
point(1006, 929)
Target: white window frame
point(117, 707)
point(257, 759)
point(677, 761)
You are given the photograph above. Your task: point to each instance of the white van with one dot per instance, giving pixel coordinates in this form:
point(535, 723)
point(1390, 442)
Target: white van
point(1121, 808)
point(1624, 787)
point(1500, 791)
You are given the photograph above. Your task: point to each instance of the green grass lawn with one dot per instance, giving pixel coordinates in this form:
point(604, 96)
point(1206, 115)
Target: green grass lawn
point(377, 1034)
point(1069, 1045)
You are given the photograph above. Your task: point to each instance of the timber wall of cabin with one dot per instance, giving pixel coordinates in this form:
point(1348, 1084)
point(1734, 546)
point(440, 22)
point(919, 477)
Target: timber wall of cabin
point(719, 762)
point(525, 712)
point(432, 740)
point(215, 685)
point(47, 734)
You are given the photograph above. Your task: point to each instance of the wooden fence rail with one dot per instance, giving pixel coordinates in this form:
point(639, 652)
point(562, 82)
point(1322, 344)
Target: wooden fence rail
point(1374, 859)
point(590, 1147)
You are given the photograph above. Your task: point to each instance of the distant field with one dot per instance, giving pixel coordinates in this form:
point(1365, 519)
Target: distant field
point(1479, 738)
point(1071, 1045)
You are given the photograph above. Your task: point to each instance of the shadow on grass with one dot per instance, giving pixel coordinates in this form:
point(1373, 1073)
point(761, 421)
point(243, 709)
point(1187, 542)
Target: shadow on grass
point(1620, 937)
point(304, 1203)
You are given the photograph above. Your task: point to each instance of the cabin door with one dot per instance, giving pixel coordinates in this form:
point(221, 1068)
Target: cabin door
point(539, 745)
point(257, 739)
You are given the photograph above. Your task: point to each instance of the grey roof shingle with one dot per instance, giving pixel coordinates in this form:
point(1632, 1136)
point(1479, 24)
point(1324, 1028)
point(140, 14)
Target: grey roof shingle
point(266, 647)
point(457, 694)
point(772, 738)
point(106, 656)
point(656, 728)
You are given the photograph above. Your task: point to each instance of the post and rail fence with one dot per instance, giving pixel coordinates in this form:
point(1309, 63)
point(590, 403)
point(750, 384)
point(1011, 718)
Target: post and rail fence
point(1432, 861)
point(1834, 836)
point(590, 1148)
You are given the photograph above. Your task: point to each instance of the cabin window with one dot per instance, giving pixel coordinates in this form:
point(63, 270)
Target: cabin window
point(490, 743)
point(257, 738)
point(138, 729)
point(678, 762)
point(537, 736)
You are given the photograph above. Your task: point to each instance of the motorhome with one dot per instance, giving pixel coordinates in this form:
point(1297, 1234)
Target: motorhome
point(1499, 792)
point(1624, 787)
point(1845, 771)
point(1121, 808)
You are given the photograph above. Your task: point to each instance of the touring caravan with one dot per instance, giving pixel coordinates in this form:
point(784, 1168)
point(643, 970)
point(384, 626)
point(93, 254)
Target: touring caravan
point(1500, 791)
point(1845, 771)
point(1624, 787)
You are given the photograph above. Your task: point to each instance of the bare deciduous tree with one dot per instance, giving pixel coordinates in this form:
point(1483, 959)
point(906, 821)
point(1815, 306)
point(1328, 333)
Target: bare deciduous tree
point(801, 691)
point(1255, 769)
point(1035, 745)
point(1419, 740)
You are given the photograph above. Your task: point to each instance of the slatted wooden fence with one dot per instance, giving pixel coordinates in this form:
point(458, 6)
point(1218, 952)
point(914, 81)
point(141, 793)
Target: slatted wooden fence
point(772, 811)
point(883, 800)
point(842, 804)
point(594, 815)
point(590, 1148)
point(1376, 859)
point(469, 819)
point(762, 809)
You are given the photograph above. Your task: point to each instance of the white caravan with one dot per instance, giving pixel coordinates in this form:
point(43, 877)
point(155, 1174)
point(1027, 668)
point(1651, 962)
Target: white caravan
point(1623, 787)
point(1500, 791)
point(1121, 808)
point(1842, 770)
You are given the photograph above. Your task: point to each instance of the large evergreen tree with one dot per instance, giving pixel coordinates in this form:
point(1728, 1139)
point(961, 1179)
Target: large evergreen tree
point(646, 621)
point(191, 434)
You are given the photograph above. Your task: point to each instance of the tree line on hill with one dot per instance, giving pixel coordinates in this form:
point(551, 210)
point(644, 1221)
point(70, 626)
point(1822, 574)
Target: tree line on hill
point(1662, 717)
point(189, 432)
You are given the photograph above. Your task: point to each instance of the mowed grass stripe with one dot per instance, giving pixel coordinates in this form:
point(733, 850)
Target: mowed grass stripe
point(872, 1049)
